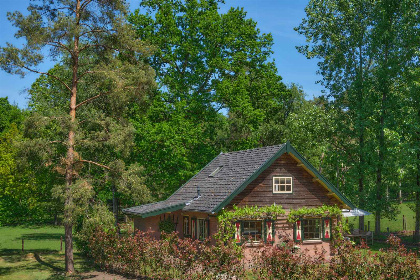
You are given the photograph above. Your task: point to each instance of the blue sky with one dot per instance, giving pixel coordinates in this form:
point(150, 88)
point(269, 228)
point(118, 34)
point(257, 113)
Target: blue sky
point(277, 17)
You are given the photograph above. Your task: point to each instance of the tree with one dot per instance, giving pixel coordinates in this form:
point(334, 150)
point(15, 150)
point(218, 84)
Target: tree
point(337, 32)
point(9, 114)
point(217, 87)
point(364, 49)
point(102, 65)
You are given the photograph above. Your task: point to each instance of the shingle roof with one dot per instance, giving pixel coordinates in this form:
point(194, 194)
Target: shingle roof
point(220, 180)
point(148, 210)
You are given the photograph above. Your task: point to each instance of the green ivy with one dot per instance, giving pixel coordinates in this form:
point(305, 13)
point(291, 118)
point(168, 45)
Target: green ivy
point(227, 218)
point(321, 212)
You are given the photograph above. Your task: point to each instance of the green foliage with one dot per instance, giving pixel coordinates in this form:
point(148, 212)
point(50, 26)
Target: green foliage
point(9, 114)
point(166, 225)
point(217, 89)
point(366, 49)
point(321, 211)
point(96, 217)
point(227, 218)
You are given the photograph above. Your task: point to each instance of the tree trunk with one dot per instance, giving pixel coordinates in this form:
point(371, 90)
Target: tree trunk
point(115, 205)
point(361, 187)
point(379, 171)
point(68, 205)
point(68, 232)
point(417, 218)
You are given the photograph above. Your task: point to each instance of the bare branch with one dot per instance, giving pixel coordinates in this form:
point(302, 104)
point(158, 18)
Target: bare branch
point(61, 46)
point(46, 73)
point(83, 6)
point(94, 163)
point(56, 142)
point(92, 98)
point(93, 31)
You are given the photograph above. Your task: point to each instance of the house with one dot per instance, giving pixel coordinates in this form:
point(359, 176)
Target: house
point(262, 176)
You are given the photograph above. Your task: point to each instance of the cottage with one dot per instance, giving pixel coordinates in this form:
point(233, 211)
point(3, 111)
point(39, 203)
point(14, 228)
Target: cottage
point(262, 177)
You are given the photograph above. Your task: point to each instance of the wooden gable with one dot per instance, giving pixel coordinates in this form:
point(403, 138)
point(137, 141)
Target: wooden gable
point(307, 189)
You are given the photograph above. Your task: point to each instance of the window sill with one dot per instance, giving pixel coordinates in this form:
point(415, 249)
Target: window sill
point(254, 244)
point(315, 241)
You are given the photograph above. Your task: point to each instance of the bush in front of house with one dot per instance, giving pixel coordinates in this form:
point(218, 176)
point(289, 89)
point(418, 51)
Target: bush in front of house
point(286, 261)
point(168, 258)
point(98, 216)
point(358, 262)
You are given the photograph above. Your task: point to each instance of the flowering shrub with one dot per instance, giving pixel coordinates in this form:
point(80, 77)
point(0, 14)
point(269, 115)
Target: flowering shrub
point(359, 263)
point(141, 255)
point(168, 258)
point(285, 262)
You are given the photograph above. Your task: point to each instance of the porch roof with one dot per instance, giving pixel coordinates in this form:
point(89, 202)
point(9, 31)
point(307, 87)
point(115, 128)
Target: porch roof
point(154, 209)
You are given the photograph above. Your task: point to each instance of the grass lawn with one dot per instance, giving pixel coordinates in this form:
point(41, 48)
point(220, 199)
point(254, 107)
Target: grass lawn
point(394, 225)
point(41, 259)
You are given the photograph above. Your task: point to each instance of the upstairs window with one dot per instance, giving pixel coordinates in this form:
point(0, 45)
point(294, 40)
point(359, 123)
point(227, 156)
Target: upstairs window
point(282, 185)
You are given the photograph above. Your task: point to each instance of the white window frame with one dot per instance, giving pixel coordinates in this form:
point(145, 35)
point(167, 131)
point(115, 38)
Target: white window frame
point(276, 187)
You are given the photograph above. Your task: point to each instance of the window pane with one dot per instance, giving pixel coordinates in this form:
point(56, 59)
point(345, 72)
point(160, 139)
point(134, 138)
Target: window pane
point(276, 181)
point(312, 228)
point(282, 180)
point(252, 230)
point(289, 188)
point(288, 180)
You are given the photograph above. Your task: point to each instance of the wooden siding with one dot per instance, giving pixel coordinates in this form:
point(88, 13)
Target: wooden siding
point(306, 192)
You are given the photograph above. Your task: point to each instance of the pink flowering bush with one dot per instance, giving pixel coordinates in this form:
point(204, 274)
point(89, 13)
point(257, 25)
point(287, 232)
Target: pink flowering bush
point(285, 262)
point(359, 263)
point(168, 258)
point(141, 255)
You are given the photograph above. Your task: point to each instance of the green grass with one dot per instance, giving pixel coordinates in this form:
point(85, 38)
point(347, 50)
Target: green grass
point(42, 258)
point(394, 225)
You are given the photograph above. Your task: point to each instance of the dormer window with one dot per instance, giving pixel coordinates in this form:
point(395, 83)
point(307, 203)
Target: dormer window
point(282, 184)
point(217, 170)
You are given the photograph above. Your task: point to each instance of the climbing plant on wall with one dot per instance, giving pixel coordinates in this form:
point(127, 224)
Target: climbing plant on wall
point(227, 218)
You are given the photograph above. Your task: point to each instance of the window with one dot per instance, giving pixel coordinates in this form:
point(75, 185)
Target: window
point(311, 228)
point(186, 226)
point(252, 230)
point(217, 170)
point(282, 184)
point(202, 229)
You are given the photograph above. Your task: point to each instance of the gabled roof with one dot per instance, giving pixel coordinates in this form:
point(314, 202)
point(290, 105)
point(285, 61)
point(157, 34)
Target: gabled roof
point(225, 177)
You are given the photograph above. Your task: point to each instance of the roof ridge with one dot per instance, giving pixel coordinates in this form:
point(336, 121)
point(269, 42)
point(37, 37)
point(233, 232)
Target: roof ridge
point(265, 147)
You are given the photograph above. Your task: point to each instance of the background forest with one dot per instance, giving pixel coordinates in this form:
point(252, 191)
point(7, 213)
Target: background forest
point(163, 90)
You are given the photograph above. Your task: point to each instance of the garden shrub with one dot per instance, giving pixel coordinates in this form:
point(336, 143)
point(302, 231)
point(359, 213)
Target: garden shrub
point(142, 255)
point(168, 258)
point(285, 262)
point(360, 263)
point(97, 216)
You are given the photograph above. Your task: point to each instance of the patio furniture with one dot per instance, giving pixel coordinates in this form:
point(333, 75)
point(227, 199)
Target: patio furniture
point(361, 234)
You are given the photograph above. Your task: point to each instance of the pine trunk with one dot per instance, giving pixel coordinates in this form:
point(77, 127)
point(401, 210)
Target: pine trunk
point(68, 214)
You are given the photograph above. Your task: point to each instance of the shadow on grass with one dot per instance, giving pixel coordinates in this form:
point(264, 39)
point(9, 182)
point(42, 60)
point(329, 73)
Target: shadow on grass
point(15, 255)
point(52, 266)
